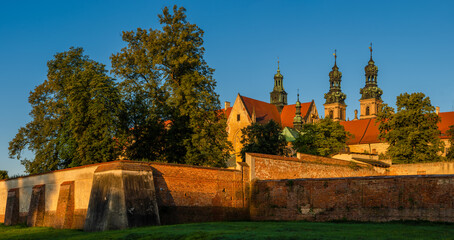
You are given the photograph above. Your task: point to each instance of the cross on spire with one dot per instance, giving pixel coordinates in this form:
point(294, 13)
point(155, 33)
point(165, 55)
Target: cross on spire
point(370, 51)
point(278, 63)
point(335, 57)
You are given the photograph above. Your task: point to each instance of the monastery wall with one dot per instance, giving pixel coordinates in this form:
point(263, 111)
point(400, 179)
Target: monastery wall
point(381, 198)
point(422, 168)
point(183, 193)
point(264, 167)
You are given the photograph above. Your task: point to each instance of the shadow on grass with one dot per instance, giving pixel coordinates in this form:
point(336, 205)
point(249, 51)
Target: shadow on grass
point(250, 230)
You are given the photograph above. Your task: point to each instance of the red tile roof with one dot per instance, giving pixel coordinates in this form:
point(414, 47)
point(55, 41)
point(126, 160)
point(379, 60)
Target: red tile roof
point(357, 128)
point(366, 131)
point(447, 119)
point(264, 112)
point(288, 113)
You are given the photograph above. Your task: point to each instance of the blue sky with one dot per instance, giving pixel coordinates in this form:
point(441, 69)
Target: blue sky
point(413, 47)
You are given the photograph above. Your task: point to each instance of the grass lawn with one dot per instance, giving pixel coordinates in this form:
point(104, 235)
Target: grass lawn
point(249, 230)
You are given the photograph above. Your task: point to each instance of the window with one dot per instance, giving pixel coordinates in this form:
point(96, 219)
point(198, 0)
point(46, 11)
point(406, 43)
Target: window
point(331, 114)
point(238, 117)
point(367, 110)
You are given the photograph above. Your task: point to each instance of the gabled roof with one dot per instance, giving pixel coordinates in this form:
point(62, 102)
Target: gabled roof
point(288, 113)
point(264, 112)
point(366, 131)
point(447, 119)
point(357, 128)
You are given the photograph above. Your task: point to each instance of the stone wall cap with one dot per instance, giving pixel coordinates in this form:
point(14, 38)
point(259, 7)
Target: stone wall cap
point(363, 178)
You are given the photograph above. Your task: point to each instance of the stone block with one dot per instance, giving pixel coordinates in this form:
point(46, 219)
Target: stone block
point(36, 211)
point(12, 207)
point(123, 195)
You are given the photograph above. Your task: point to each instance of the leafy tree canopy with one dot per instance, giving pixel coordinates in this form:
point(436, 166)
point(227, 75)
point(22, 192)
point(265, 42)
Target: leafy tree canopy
point(411, 131)
point(323, 138)
point(166, 81)
point(3, 174)
point(73, 116)
point(450, 152)
point(263, 138)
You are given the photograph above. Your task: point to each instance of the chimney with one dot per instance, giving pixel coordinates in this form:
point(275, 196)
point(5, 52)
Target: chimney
point(226, 105)
point(437, 111)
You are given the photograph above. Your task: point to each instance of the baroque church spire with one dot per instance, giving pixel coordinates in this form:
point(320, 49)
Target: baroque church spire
point(298, 120)
point(278, 96)
point(335, 94)
point(371, 89)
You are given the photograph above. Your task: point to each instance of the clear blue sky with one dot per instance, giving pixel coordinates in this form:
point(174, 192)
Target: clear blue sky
point(413, 47)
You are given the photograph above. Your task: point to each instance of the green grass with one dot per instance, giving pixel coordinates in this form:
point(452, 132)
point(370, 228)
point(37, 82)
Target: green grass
point(249, 230)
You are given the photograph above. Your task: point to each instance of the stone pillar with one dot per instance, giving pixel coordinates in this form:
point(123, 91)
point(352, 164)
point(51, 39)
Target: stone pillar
point(12, 207)
point(36, 210)
point(123, 195)
point(65, 206)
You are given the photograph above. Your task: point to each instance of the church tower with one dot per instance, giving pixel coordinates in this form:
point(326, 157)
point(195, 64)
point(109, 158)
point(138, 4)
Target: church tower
point(335, 106)
point(298, 119)
point(371, 93)
point(278, 96)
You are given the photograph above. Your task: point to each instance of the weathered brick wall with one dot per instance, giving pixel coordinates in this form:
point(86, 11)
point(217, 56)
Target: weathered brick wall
point(184, 194)
point(197, 194)
point(358, 199)
point(265, 166)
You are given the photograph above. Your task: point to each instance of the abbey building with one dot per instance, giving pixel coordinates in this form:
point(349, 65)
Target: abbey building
point(364, 132)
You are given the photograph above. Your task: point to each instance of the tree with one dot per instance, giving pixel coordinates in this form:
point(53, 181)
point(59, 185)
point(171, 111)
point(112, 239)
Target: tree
point(323, 138)
point(450, 152)
point(263, 138)
point(166, 80)
point(411, 131)
point(3, 174)
point(73, 116)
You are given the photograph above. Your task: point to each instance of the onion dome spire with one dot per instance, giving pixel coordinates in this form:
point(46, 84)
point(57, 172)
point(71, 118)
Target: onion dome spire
point(335, 94)
point(298, 119)
point(278, 96)
point(371, 89)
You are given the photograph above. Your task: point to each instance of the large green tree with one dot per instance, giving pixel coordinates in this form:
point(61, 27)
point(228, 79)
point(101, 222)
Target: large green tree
point(263, 138)
point(323, 138)
point(450, 152)
point(3, 174)
point(172, 111)
point(74, 116)
point(411, 131)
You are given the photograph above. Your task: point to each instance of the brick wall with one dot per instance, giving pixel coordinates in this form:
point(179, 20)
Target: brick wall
point(264, 166)
point(358, 199)
point(198, 194)
point(184, 194)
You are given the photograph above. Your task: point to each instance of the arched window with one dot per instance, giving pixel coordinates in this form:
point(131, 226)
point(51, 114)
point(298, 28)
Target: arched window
point(331, 114)
point(367, 111)
point(341, 114)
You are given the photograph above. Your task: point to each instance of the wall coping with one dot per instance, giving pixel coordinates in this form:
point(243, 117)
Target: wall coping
point(363, 178)
point(123, 161)
point(319, 160)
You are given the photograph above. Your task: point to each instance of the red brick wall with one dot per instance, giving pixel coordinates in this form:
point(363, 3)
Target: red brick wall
point(359, 199)
point(196, 194)
point(276, 167)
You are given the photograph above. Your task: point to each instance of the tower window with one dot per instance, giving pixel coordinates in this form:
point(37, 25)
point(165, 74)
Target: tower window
point(367, 110)
point(341, 115)
point(238, 117)
point(331, 114)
